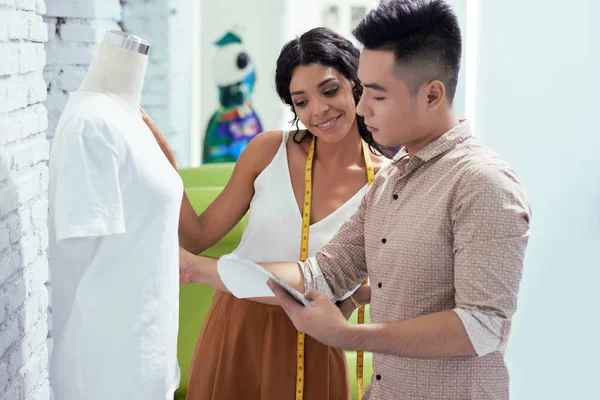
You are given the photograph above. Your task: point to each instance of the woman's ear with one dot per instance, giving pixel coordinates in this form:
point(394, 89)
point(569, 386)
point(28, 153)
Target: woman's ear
point(356, 88)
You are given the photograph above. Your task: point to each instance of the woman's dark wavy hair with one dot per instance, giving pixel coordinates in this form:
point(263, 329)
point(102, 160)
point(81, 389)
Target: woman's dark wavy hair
point(325, 47)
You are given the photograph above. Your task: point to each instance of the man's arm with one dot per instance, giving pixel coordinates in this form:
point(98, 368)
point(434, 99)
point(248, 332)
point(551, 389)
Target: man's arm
point(341, 264)
point(491, 228)
point(430, 336)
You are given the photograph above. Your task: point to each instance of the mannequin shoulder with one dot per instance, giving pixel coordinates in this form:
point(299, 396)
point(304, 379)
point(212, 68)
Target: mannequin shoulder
point(93, 116)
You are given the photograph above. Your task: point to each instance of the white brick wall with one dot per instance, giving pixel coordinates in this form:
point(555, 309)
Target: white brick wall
point(150, 20)
point(31, 74)
point(75, 27)
point(23, 202)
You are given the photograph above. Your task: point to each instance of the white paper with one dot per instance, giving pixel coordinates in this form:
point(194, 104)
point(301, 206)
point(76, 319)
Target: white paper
point(246, 279)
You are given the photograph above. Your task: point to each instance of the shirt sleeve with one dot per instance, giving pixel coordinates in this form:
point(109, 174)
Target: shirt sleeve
point(88, 198)
point(340, 266)
point(490, 219)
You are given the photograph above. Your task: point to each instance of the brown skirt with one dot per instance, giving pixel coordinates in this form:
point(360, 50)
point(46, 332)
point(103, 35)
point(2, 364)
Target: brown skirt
point(247, 351)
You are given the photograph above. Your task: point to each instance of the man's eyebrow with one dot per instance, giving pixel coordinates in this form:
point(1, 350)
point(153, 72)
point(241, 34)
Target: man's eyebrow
point(375, 86)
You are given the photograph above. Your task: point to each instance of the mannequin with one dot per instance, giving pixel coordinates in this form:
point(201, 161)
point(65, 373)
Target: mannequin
point(119, 67)
point(117, 70)
point(113, 250)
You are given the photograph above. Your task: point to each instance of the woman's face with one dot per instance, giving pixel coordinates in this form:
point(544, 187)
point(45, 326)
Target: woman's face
point(323, 101)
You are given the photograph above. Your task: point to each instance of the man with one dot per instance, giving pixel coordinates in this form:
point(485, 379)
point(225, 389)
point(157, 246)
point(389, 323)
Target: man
point(441, 233)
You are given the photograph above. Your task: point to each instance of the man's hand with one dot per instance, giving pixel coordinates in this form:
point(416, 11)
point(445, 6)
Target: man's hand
point(323, 321)
point(160, 139)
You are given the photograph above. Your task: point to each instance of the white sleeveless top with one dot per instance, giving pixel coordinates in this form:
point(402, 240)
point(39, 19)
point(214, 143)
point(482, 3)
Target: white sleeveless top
point(275, 221)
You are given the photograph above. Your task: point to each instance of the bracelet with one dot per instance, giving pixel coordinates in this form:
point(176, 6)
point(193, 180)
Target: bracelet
point(356, 303)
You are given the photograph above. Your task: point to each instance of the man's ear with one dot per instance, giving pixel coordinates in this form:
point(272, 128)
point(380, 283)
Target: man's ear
point(435, 92)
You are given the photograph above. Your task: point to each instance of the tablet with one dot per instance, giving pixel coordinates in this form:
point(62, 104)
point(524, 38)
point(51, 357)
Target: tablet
point(296, 295)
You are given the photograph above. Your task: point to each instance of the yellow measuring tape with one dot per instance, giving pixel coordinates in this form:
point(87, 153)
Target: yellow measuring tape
point(304, 255)
point(360, 356)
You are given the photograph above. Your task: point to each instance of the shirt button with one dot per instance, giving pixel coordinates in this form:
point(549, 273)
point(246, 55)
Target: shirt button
point(379, 285)
point(384, 240)
point(378, 377)
point(395, 196)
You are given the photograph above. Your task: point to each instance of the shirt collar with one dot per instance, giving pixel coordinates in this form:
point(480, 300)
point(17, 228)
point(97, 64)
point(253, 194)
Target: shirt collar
point(442, 145)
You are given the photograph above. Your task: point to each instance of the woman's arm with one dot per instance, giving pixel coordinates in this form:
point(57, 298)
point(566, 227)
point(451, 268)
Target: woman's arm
point(198, 269)
point(199, 232)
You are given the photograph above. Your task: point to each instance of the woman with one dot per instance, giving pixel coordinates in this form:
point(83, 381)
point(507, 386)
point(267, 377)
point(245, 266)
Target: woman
point(247, 349)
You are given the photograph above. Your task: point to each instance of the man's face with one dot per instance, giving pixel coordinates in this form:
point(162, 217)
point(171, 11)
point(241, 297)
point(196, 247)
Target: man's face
point(391, 112)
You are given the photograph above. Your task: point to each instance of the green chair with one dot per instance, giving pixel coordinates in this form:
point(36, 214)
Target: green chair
point(201, 198)
point(367, 372)
point(351, 360)
point(206, 175)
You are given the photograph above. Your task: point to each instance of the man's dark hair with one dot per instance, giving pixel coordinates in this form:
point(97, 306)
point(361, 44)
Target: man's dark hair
point(424, 36)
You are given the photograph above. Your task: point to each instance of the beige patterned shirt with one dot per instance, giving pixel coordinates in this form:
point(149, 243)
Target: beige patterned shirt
point(445, 229)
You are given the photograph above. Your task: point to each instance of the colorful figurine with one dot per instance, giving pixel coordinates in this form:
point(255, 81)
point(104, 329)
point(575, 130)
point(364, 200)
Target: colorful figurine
point(235, 123)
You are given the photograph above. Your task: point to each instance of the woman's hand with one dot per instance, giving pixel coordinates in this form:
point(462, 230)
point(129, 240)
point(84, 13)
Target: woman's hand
point(362, 296)
point(160, 139)
point(347, 308)
point(188, 272)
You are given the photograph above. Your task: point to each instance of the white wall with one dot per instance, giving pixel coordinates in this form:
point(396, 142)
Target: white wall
point(460, 9)
point(23, 202)
point(168, 25)
point(151, 21)
point(181, 43)
point(537, 106)
point(74, 30)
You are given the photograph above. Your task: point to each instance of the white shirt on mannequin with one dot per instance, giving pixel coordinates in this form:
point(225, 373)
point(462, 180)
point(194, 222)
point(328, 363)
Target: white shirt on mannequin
point(115, 294)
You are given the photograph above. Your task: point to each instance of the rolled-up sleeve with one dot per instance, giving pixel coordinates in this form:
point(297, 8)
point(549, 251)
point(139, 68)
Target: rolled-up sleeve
point(490, 220)
point(340, 265)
